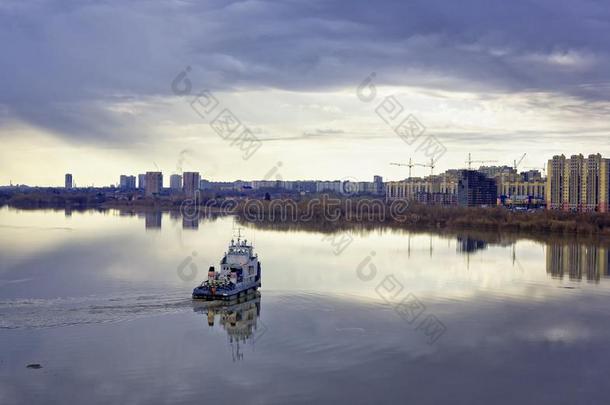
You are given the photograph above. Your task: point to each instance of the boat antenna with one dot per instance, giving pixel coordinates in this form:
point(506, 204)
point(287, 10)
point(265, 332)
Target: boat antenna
point(236, 229)
point(238, 232)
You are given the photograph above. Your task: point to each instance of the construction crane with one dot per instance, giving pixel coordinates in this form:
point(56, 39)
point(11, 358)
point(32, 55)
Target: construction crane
point(431, 166)
point(470, 161)
point(409, 165)
point(516, 164)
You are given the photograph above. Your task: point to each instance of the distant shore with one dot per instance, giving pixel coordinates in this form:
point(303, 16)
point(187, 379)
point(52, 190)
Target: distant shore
point(328, 211)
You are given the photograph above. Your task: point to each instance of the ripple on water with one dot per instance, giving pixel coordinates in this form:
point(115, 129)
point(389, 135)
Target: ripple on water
point(56, 312)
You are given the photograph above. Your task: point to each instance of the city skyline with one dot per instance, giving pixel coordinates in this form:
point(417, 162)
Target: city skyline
point(275, 174)
point(576, 183)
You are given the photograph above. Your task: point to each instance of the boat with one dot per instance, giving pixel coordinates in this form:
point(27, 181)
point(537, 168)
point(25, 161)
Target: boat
point(239, 275)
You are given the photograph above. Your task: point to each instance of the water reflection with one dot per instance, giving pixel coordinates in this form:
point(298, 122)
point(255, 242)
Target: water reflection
point(577, 261)
point(190, 223)
point(239, 319)
point(563, 257)
point(96, 289)
point(470, 245)
point(571, 259)
point(153, 219)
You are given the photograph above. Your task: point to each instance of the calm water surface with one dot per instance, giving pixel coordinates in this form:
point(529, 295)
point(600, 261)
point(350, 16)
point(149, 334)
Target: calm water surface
point(101, 300)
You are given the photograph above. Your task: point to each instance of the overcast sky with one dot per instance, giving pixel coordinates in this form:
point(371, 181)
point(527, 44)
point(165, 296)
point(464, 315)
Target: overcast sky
point(86, 86)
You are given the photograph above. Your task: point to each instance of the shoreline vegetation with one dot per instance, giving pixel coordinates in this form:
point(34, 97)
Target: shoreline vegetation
point(426, 217)
point(334, 212)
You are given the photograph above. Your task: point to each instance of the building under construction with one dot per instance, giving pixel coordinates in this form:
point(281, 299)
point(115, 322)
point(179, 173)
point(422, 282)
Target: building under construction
point(434, 190)
point(476, 189)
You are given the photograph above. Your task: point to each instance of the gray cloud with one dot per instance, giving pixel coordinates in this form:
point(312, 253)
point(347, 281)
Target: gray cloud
point(64, 62)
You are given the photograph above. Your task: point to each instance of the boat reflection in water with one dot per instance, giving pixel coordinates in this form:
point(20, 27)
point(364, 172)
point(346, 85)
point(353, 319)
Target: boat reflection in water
point(239, 319)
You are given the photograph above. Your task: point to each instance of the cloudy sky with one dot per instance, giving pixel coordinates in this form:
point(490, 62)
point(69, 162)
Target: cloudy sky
point(101, 88)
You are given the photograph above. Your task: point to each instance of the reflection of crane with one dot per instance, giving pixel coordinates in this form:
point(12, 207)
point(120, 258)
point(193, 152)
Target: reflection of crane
point(515, 260)
point(516, 164)
point(470, 161)
point(538, 168)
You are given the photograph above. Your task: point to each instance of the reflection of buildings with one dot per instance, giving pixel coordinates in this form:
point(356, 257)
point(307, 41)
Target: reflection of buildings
point(238, 319)
point(577, 261)
point(152, 219)
point(175, 215)
point(190, 223)
point(563, 259)
point(469, 245)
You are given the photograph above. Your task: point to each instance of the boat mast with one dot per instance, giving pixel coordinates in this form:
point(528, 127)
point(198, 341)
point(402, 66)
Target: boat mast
point(237, 233)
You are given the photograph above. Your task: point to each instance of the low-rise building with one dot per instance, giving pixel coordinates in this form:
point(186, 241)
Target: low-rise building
point(304, 186)
point(519, 189)
point(266, 184)
point(335, 186)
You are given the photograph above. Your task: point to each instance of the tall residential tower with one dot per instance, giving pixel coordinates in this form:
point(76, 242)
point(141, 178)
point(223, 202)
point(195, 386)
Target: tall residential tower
point(154, 183)
point(190, 182)
point(68, 181)
point(578, 183)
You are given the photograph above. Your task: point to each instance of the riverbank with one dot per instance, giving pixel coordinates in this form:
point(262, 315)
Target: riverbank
point(330, 212)
point(335, 213)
